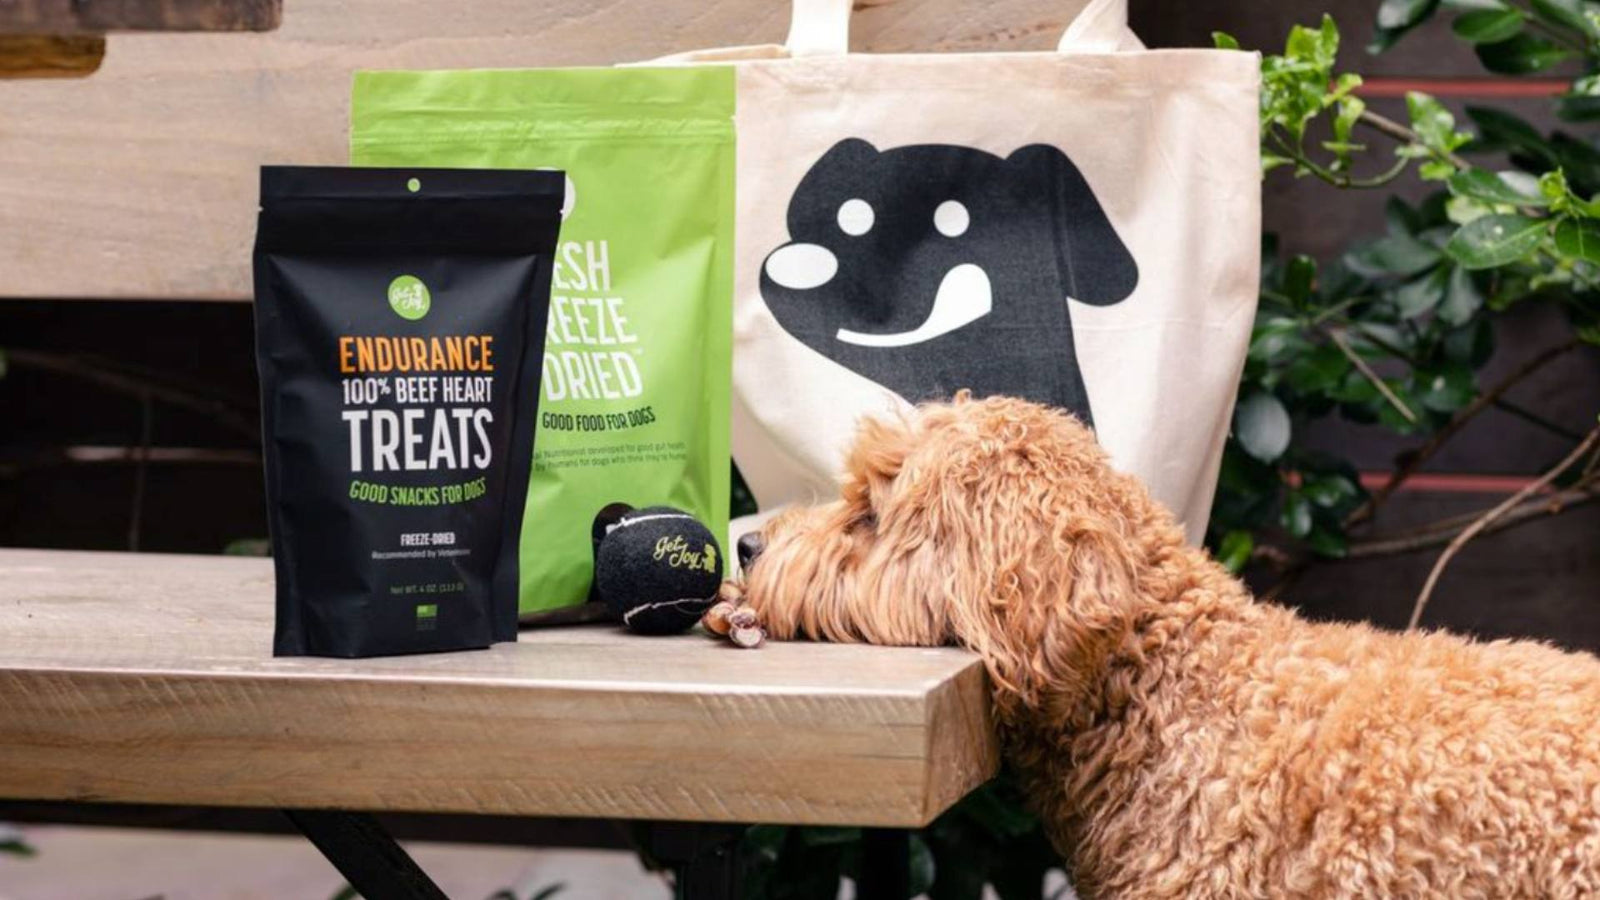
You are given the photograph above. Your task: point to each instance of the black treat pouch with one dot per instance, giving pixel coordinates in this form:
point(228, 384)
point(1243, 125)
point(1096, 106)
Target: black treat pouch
point(400, 318)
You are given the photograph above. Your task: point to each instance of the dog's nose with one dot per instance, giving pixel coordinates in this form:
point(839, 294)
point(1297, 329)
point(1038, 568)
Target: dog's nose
point(750, 546)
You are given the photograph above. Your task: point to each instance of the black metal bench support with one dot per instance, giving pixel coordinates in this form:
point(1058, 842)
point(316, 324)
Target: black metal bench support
point(365, 854)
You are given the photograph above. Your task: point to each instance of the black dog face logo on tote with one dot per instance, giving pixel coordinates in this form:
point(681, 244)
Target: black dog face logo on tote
point(932, 268)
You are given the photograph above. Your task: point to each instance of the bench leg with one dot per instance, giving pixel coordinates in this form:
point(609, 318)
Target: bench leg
point(703, 857)
point(885, 864)
point(365, 855)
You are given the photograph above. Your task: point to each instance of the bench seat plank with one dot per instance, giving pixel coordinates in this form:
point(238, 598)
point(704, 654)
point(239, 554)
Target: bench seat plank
point(148, 679)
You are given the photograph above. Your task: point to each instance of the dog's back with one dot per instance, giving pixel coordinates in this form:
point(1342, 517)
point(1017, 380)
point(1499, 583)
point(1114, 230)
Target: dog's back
point(1283, 758)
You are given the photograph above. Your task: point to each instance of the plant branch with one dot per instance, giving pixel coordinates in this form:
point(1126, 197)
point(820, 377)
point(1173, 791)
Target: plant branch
point(1380, 343)
point(1433, 534)
point(1489, 518)
point(1366, 370)
point(1411, 462)
point(1442, 531)
point(1533, 418)
point(1404, 135)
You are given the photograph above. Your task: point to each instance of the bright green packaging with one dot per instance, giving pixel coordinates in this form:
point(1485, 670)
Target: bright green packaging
point(635, 401)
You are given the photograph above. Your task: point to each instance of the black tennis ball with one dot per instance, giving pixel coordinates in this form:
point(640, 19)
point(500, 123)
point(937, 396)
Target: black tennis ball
point(658, 569)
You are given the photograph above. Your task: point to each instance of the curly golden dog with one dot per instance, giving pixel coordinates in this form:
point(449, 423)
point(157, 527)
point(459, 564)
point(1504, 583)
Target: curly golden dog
point(1179, 739)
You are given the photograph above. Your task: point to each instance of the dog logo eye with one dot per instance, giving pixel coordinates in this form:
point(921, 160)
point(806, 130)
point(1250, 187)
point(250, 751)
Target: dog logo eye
point(951, 218)
point(855, 217)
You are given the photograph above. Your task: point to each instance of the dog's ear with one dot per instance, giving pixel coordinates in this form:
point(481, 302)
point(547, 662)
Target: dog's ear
point(1044, 550)
point(1096, 266)
point(848, 152)
point(875, 459)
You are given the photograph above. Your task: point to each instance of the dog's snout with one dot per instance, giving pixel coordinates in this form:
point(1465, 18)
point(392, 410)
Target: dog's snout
point(750, 546)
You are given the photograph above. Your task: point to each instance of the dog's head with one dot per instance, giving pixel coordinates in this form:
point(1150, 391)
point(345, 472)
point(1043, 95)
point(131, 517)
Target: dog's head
point(900, 258)
point(996, 524)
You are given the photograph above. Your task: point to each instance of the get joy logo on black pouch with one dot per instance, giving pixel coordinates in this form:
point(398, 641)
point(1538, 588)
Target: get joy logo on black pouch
point(931, 268)
point(409, 297)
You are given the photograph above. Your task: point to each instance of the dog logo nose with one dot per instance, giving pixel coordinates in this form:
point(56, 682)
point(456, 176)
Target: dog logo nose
point(750, 546)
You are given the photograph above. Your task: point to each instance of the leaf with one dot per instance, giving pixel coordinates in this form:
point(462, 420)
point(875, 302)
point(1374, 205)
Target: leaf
point(1579, 160)
point(1471, 344)
point(346, 893)
point(1319, 370)
point(1568, 14)
point(1275, 339)
point(763, 843)
point(997, 815)
point(1403, 13)
point(1270, 161)
point(1495, 241)
point(1508, 188)
point(1486, 26)
point(1318, 46)
point(1400, 218)
point(922, 867)
point(1445, 389)
point(1392, 418)
point(1462, 299)
point(1262, 426)
point(1328, 542)
point(1221, 40)
point(1237, 545)
point(1350, 110)
point(248, 547)
point(1329, 490)
point(1397, 254)
point(826, 835)
point(1579, 240)
point(1355, 389)
point(1581, 103)
point(1422, 294)
point(1500, 130)
point(1299, 278)
point(1474, 5)
point(1432, 122)
point(1524, 54)
point(1296, 515)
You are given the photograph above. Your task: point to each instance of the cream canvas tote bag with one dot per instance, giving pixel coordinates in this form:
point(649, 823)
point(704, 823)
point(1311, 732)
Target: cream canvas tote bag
point(1078, 227)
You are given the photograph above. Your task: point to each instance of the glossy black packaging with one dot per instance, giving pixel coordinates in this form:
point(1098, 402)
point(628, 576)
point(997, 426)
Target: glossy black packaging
point(400, 318)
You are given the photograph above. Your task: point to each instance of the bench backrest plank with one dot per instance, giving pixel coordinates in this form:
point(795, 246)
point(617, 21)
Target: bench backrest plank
point(140, 182)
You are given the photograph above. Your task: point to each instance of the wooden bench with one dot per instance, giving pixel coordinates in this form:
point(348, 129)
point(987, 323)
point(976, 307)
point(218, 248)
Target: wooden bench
point(149, 679)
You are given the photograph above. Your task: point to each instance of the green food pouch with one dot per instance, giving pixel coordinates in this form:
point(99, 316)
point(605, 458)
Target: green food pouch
point(634, 400)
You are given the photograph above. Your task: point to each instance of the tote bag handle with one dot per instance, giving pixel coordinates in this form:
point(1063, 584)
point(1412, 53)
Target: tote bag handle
point(822, 28)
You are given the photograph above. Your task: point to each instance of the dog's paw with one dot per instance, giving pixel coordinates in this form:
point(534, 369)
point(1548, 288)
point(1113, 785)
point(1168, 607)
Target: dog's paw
point(729, 618)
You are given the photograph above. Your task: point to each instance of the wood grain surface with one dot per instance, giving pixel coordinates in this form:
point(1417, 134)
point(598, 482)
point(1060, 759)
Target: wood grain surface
point(148, 679)
point(99, 16)
point(141, 181)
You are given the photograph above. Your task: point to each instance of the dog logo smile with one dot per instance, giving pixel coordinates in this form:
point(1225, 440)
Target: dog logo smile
point(933, 268)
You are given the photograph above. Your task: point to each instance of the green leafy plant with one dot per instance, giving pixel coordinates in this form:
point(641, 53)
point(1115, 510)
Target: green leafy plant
point(987, 839)
point(1395, 331)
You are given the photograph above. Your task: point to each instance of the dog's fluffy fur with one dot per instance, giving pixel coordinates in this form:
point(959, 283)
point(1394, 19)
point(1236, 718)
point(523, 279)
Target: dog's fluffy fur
point(1179, 739)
